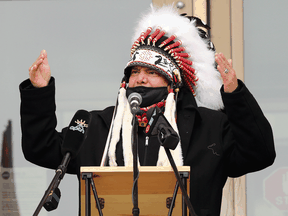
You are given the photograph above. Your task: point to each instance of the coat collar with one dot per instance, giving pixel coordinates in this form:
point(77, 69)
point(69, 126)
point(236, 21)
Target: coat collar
point(187, 116)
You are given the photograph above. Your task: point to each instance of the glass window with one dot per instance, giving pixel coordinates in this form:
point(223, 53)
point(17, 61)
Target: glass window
point(88, 45)
point(265, 60)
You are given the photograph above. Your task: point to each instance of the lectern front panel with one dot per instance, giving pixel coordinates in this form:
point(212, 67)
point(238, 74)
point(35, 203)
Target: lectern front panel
point(114, 184)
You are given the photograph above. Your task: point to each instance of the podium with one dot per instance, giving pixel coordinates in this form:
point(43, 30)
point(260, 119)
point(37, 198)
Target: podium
point(114, 185)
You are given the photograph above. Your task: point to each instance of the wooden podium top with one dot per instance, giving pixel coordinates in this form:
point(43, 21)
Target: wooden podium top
point(130, 169)
point(114, 184)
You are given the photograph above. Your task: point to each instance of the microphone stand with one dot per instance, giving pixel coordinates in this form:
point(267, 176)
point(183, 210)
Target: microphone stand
point(135, 210)
point(184, 192)
point(53, 187)
point(168, 138)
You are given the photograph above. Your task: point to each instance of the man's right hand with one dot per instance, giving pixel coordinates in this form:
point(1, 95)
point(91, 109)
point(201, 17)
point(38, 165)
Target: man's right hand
point(39, 71)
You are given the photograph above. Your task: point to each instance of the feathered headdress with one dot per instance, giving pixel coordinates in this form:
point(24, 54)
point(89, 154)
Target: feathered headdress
point(174, 46)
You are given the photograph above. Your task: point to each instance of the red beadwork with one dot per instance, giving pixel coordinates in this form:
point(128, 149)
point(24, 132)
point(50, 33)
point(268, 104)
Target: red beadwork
point(175, 78)
point(153, 35)
point(190, 78)
point(123, 84)
point(144, 119)
point(161, 34)
point(159, 104)
point(136, 43)
point(148, 31)
point(176, 44)
point(138, 40)
point(132, 52)
point(168, 40)
point(176, 50)
point(139, 119)
point(188, 67)
point(187, 61)
point(147, 129)
point(189, 85)
point(185, 55)
point(133, 49)
point(188, 72)
point(134, 46)
point(142, 33)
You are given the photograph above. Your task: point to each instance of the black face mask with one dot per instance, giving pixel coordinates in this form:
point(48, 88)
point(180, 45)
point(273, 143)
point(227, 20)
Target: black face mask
point(150, 95)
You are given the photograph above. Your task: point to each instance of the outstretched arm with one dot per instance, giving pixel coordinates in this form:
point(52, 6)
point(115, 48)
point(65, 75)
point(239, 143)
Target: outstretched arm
point(39, 71)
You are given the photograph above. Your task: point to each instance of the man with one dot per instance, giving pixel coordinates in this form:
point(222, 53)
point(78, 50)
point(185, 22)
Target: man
point(172, 67)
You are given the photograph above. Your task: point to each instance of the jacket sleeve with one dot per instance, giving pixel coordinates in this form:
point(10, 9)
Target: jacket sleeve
point(249, 131)
point(41, 143)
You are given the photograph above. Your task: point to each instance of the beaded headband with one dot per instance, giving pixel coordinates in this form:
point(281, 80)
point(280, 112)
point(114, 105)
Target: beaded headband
point(157, 59)
point(173, 45)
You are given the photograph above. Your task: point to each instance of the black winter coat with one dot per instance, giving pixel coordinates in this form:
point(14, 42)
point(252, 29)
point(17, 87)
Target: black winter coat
point(215, 144)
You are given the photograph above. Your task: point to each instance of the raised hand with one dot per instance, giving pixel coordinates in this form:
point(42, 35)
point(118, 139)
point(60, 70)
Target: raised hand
point(39, 71)
point(227, 72)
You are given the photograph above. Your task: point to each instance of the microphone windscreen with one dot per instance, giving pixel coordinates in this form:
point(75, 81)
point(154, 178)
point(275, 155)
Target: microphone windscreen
point(76, 133)
point(135, 96)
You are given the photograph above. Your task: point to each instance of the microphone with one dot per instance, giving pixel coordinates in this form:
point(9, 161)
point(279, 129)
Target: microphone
point(158, 125)
point(134, 100)
point(73, 140)
point(76, 133)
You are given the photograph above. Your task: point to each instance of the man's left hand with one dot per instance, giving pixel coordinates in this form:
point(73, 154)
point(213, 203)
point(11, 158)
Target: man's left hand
point(227, 72)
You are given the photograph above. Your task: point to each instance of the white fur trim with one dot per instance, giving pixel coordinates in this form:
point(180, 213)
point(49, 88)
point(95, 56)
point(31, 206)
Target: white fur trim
point(122, 104)
point(126, 137)
point(210, 82)
point(169, 113)
point(177, 153)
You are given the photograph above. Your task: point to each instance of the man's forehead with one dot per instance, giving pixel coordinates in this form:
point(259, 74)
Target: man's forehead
point(142, 67)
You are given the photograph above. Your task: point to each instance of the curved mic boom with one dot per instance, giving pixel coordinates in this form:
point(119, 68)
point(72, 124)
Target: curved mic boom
point(73, 140)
